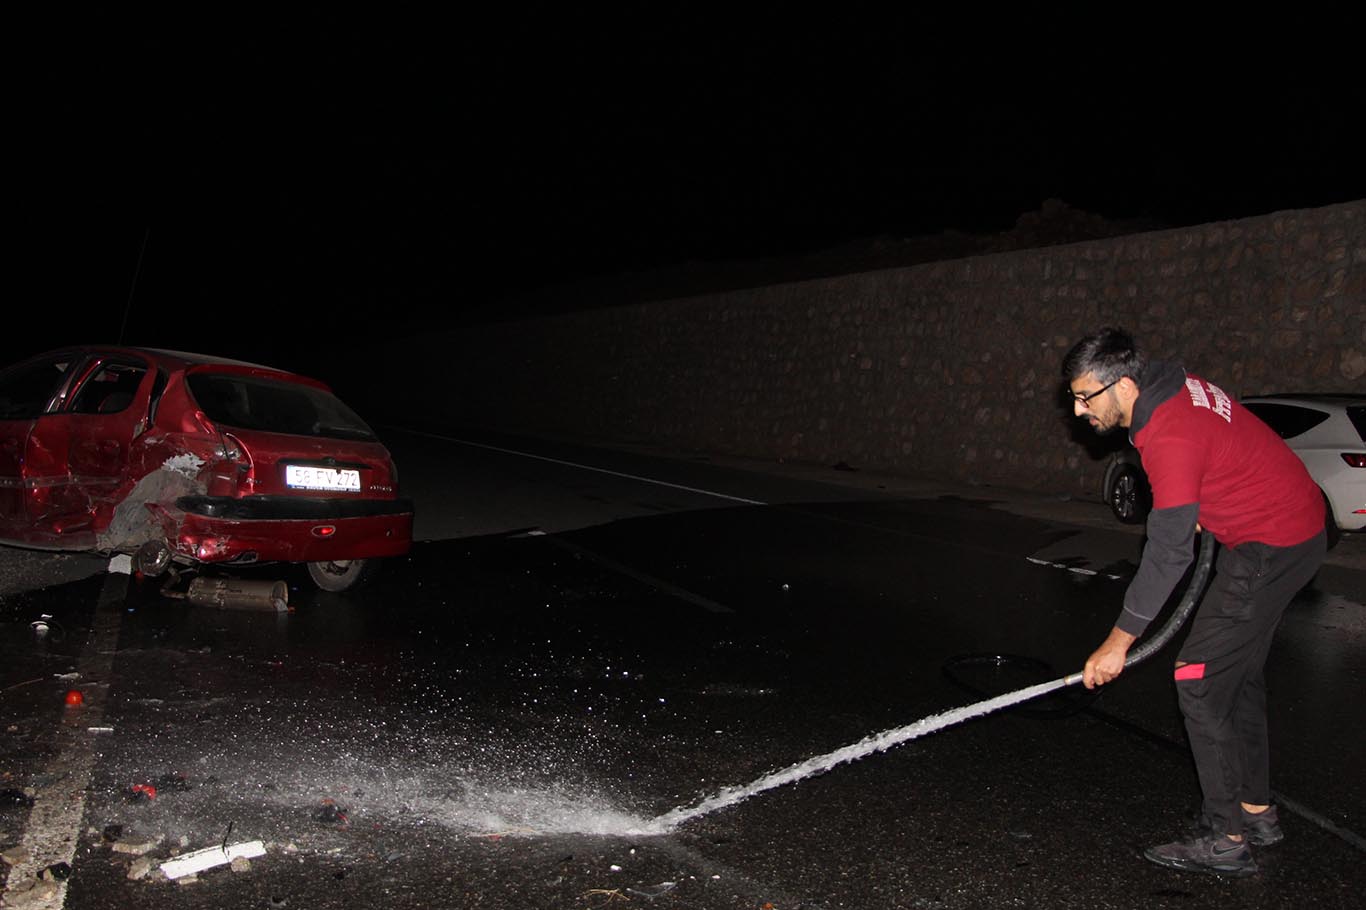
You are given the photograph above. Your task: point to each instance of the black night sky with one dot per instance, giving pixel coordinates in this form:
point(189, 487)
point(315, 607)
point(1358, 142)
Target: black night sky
point(275, 190)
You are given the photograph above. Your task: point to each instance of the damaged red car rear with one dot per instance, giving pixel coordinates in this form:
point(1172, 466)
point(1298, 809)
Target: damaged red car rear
point(182, 458)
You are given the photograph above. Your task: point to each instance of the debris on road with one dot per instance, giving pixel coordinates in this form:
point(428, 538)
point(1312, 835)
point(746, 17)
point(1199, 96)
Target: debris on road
point(57, 872)
point(41, 626)
point(653, 892)
point(142, 793)
point(15, 855)
point(209, 857)
point(234, 594)
point(136, 846)
point(331, 814)
point(31, 892)
point(141, 868)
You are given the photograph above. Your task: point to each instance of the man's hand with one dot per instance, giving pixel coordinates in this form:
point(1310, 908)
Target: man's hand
point(1108, 661)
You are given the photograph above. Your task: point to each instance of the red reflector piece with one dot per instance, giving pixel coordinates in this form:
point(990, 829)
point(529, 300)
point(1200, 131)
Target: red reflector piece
point(324, 530)
point(1355, 459)
point(1191, 671)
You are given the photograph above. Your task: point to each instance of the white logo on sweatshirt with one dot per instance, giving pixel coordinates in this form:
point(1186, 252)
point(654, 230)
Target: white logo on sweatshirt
point(1220, 404)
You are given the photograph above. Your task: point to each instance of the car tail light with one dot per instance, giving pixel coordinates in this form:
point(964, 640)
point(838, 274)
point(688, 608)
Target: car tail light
point(1355, 459)
point(324, 530)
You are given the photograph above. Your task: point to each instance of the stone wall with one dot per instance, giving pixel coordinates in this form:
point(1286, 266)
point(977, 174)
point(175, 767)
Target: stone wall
point(947, 368)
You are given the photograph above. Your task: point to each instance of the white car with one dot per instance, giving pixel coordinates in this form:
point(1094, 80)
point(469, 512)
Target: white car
point(1327, 432)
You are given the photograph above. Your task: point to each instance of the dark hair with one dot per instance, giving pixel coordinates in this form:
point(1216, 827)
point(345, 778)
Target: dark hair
point(1110, 355)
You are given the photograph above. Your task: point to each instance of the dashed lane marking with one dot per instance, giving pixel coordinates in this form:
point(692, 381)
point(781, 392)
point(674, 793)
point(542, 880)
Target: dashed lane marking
point(1076, 569)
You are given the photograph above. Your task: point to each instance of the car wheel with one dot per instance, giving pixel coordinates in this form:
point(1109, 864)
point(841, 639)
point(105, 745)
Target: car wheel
point(1330, 525)
point(1128, 495)
point(339, 574)
point(152, 558)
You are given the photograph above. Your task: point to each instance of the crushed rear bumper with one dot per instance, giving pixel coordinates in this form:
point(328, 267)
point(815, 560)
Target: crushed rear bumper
point(291, 529)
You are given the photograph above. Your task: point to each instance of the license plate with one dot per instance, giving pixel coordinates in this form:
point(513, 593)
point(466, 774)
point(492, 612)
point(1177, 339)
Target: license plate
point(301, 477)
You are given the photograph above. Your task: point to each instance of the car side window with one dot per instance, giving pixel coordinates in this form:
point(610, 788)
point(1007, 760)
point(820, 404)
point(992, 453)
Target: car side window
point(1357, 415)
point(27, 389)
point(1288, 420)
point(110, 389)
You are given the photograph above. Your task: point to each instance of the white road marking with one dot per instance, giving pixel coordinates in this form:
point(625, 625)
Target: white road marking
point(1077, 569)
point(587, 467)
point(54, 822)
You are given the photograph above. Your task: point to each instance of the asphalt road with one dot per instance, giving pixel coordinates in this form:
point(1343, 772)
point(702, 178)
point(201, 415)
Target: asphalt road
point(585, 644)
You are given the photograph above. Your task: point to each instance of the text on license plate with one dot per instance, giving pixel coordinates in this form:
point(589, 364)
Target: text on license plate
point(302, 477)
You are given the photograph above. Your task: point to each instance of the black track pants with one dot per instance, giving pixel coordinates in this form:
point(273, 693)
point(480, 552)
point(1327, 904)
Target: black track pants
point(1219, 679)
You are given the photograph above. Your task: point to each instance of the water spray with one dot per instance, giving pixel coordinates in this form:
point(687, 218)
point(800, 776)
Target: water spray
point(880, 742)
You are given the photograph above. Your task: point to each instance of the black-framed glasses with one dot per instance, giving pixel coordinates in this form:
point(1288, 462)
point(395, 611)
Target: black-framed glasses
point(1085, 400)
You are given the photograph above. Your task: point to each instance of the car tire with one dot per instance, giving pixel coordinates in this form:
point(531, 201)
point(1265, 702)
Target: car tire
point(152, 559)
point(339, 575)
point(1330, 525)
point(1128, 495)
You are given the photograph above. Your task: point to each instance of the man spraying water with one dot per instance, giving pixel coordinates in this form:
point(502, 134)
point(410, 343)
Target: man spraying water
point(1213, 466)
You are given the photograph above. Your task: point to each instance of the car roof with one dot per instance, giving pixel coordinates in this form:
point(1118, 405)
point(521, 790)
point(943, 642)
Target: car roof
point(176, 359)
point(1341, 399)
point(193, 358)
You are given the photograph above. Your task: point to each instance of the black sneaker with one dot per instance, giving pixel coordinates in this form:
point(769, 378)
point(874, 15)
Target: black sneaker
point(1212, 853)
point(1262, 829)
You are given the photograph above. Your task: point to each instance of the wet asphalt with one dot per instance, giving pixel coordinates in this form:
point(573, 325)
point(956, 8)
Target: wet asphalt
point(584, 640)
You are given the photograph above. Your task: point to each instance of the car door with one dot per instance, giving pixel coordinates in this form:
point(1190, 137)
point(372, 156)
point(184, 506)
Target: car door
point(105, 413)
point(30, 469)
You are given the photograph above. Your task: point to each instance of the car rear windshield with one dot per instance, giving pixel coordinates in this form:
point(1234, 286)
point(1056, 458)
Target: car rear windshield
point(250, 403)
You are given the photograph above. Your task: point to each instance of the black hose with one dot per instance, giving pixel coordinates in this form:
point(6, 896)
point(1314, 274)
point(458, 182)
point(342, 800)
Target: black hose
point(1204, 561)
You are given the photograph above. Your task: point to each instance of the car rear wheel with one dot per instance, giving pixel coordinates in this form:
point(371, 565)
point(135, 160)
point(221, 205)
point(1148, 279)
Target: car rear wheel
point(1128, 495)
point(339, 574)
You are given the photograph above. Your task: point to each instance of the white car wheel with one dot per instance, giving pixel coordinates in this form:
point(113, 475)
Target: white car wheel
point(339, 574)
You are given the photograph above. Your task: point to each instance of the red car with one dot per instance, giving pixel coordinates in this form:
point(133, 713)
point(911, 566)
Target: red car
point(181, 458)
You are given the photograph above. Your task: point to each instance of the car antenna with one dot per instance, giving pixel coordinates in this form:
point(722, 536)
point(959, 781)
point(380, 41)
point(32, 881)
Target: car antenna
point(137, 270)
